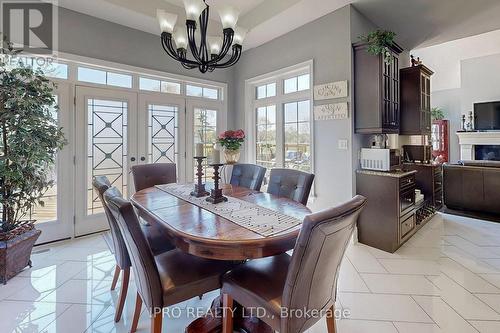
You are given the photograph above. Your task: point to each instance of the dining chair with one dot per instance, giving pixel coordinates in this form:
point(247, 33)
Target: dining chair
point(149, 175)
point(290, 183)
point(248, 175)
point(157, 242)
point(165, 279)
point(305, 281)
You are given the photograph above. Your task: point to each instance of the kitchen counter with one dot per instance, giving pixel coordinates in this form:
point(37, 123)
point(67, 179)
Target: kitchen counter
point(395, 174)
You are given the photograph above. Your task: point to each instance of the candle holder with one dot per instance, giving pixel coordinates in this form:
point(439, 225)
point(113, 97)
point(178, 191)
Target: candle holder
point(216, 193)
point(199, 187)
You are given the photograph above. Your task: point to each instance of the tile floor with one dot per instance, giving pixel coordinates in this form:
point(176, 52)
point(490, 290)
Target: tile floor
point(445, 279)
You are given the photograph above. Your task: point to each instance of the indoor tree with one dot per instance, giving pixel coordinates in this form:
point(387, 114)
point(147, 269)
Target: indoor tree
point(29, 140)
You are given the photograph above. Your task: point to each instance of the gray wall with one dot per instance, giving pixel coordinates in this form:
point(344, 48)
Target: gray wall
point(327, 41)
point(89, 36)
point(480, 82)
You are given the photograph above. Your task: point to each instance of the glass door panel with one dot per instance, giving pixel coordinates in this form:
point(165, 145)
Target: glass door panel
point(54, 217)
point(106, 125)
point(162, 131)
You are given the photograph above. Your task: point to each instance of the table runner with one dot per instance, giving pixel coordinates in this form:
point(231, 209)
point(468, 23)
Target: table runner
point(262, 220)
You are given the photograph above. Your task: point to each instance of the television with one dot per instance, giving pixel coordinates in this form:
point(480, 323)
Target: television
point(487, 116)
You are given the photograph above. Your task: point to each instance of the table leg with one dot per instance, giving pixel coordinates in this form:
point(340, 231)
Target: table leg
point(212, 323)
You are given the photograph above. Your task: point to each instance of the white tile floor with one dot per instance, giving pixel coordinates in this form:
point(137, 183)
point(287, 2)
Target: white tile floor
point(445, 279)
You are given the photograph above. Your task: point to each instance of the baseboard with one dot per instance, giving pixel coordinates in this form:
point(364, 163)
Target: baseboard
point(471, 214)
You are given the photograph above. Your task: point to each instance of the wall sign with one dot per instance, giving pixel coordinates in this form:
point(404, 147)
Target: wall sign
point(331, 111)
point(330, 90)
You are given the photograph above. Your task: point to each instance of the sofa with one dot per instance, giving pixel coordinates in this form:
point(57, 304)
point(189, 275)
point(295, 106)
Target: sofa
point(472, 186)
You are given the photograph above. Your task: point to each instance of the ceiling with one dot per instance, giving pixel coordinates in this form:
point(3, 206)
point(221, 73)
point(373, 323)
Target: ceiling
point(418, 23)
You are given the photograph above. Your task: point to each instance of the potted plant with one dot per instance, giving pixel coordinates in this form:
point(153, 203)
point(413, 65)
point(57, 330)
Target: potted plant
point(437, 114)
point(231, 141)
point(379, 43)
point(29, 141)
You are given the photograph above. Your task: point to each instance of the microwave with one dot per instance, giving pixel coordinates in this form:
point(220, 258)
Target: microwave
point(380, 159)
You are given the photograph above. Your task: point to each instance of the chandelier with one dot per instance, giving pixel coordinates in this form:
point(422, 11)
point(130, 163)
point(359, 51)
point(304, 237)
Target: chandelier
point(212, 51)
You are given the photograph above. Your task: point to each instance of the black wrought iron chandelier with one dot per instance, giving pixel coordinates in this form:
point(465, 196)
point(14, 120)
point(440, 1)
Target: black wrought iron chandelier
point(212, 52)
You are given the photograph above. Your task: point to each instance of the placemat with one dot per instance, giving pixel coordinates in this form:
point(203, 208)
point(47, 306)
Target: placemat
point(262, 220)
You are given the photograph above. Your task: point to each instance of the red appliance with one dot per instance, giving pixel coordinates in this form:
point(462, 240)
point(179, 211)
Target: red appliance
point(440, 140)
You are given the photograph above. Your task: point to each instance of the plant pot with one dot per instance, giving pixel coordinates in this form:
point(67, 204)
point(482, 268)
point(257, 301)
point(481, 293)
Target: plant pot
point(231, 156)
point(15, 253)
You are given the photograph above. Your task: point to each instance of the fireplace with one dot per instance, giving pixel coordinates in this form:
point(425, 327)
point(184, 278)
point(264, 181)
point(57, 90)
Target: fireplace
point(479, 145)
point(487, 152)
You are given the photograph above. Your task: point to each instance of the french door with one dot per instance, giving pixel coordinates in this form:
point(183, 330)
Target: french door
point(108, 132)
point(106, 123)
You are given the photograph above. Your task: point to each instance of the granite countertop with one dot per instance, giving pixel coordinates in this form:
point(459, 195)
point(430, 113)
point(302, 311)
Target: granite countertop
point(422, 164)
point(395, 174)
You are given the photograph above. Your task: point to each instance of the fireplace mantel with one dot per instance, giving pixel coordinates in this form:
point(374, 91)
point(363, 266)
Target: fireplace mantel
point(467, 141)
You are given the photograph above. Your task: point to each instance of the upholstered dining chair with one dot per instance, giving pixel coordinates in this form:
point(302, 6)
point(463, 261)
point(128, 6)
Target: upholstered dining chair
point(165, 279)
point(156, 241)
point(149, 175)
point(248, 175)
point(307, 280)
point(290, 183)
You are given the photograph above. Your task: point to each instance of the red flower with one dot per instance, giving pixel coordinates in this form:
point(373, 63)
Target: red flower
point(239, 134)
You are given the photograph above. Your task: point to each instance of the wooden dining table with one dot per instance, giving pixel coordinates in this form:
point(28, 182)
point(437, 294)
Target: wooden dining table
point(205, 234)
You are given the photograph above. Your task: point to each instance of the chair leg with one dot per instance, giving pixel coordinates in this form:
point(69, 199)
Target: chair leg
point(115, 277)
point(137, 313)
point(330, 320)
point(156, 322)
point(227, 321)
point(123, 294)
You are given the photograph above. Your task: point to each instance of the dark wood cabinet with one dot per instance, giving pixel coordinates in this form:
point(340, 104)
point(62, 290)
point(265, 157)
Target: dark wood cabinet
point(376, 91)
point(388, 219)
point(416, 100)
point(429, 180)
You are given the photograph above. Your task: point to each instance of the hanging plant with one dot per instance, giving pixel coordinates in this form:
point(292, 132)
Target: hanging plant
point(379, 42)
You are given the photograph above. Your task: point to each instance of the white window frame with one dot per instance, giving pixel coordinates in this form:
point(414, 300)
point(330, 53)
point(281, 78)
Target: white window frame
point(252, 103)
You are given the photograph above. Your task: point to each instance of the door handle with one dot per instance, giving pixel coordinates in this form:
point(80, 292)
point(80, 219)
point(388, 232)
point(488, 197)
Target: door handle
point(132, 159)
point(143, 158)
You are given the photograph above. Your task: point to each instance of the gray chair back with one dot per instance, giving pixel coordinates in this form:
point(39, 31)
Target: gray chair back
point(248, 175)
point(144, 267)
point(311, 281)
point(290, 183)
point(149, 175)
point(101, 184)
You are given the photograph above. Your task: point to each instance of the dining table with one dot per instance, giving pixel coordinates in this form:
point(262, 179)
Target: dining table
point(204, 233)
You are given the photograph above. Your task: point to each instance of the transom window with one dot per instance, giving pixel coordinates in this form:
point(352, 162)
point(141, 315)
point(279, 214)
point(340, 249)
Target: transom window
point(297, 83)
point(159, 85)
point(204, 92)
point(282, 120)
point(266, 90)
point(91, 75)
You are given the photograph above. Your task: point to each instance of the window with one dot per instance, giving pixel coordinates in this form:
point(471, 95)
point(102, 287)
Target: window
point(282, 119)
point(99, 76)
point(297, 83)
point(266, 136)
point(205, 131)
point(298, 136)
point(46, 65)
point(266, 90)
point(204, 92)
point(159, 85)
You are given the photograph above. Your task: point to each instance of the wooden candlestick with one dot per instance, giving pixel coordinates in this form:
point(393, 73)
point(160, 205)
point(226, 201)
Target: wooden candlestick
point(199, 187)
point(216, 193)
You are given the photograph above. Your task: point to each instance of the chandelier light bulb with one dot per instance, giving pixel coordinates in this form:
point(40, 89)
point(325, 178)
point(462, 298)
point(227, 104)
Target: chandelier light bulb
point(180, 38)
point(215, 44)
point(239, 35)
point(229, 16)
point(167, 20)
point(194, 8)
